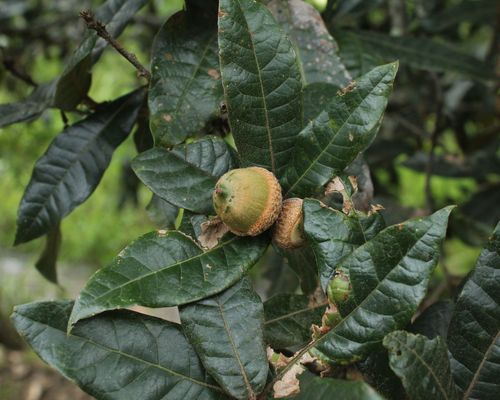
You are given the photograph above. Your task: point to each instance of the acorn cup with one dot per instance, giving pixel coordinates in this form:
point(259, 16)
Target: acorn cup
point(247, 200)
point(288, 231)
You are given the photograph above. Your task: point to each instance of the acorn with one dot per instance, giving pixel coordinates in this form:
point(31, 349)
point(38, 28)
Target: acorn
point(247, 200)
point(289, 228)
point(339, 289)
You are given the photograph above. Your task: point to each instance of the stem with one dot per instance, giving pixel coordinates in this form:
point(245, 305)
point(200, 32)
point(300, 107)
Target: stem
point(100, 28)
point(10, 65)
point(296, 358)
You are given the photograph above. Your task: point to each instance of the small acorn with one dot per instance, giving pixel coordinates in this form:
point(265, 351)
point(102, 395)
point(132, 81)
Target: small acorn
point(289, 228)
point(339, 289)
point(247, 200)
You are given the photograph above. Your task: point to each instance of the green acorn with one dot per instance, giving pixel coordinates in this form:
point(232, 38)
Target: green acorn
point(247, 200)
point(288, 231)
point(339, 289)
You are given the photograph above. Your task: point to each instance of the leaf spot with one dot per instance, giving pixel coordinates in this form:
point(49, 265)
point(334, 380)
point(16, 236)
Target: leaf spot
point(169, 56)
point(214, 74)
point(167, 117)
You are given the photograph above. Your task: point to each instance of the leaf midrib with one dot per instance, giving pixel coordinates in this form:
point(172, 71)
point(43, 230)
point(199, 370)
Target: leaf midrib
point(182, 97)
point(480, 367)
point(369, 295)
point(158, 366)
point(248, 386)
point(91, 142)
point(424, 363)
point(334, 136)
point(203, 253)
point(289, 315)
point(261, 85)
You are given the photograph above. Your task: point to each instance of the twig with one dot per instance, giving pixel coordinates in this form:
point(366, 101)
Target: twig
point(429, 201)
point(100, 28)
point(10, 65)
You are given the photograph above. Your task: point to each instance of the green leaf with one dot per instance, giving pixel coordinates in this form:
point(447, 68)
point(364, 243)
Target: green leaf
point(118, 355)
point(315, 47)
point(162, 213)
point(186, 175)
point(316, 98)
point(67, 174)
point(377, 372)
point(434, 321)
point(346, 127)
point(162, 269)
point(289, 318)
point(74, 82)
point(185, 87)
point(421, 53)
point(303, 263)
point(226, 332)
point(326, 389)
point(474, 333)
point(29, 108)
point(422, 364)
point(262, 84)
point(46, 264)
point(389, 276)
point(333, 235)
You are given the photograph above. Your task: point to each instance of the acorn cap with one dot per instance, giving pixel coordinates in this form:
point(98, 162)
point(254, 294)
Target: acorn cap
point(289, 228)
point(247, 200)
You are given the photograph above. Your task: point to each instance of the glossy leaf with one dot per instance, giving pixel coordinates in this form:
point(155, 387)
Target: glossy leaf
point(326, 389)
point(162, 269)
point(434, 321)
point(74, 82)
point(186, 175)
point(118, 355)
point(67, 174)
point(262, 84)
point(334, 139)
point(315, 47)
point(377, 373)
point(474, 333)
point(29, 108)
point(422, 364)
point(421, 53)
point(389, 276)
point(334, 235)
point(185, 87)
point(289, 318)
point(303, 263)
point(316, 98)
point(162, 213)
point(47, 263)
point(226, 331)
